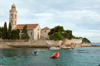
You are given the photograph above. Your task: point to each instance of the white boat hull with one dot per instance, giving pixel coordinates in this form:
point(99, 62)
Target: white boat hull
point(54, 48)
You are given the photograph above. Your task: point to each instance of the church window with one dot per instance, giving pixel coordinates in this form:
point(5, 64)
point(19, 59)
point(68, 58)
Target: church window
point(13, 9)
point(31, 33)
point(11, 21)
point(15, 22)
point(11, 15)
point(15, 16)
point(45, 31)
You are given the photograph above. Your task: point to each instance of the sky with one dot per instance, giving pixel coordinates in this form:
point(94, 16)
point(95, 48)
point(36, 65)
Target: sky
point(80, 16)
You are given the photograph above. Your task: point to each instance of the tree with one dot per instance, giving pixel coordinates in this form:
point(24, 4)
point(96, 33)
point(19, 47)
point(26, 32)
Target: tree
point(4, 32)
point(9, 31)
point(24, 33)
point(15, 34)
point(69, 34)
point(85, 40)
point(56, 36)
point(0, 32)
point(56, 29)
point(65, 34)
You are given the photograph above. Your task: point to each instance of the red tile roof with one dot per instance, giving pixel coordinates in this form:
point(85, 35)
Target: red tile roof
point(46, 28)
point(29, 26)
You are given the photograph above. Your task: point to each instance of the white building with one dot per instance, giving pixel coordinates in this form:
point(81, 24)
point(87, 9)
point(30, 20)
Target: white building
point(34, 30)
point(13, 16)
point(44, 33)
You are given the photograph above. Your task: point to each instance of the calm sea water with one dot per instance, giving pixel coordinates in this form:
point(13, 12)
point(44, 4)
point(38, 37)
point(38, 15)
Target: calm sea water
point(96, 44)
point(68, 57)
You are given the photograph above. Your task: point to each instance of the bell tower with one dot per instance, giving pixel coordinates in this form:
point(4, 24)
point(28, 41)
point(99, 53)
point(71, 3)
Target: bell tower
point(13, 16)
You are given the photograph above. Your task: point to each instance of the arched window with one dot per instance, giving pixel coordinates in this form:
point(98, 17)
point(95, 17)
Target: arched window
point(11, 22)
point(11, 15)
point(15, 22)
point(15, 16)
point(45, 31)
point(31, 33)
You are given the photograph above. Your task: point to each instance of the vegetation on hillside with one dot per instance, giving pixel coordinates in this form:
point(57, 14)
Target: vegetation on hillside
point(56, 36)
point(58, 33)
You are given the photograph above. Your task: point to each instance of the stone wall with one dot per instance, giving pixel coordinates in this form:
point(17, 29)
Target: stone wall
point(44, 34)
point(1, 40)
point(67, 41)
point(54, 43)
point(39, 42)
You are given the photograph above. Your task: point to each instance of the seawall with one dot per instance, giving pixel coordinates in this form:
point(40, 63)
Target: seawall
point(35, 43)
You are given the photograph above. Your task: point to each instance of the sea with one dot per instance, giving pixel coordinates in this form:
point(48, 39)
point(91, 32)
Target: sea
point(68, 57)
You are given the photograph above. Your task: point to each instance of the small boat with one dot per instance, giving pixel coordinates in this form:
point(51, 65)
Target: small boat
point(54, 48)
point(35, 52)
point(67, 48)
point(82, 50)
point(55, 55)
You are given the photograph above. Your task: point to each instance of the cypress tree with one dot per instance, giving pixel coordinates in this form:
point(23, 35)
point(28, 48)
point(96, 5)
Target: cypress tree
point(15, 34)
point(4, 33)
point(9, 31)
point(0, 32)
point(24, 33)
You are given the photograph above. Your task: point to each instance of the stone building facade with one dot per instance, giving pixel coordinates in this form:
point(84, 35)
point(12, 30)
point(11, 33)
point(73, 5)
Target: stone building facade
point(33, 30)
point(44, 33)
point(13, 16)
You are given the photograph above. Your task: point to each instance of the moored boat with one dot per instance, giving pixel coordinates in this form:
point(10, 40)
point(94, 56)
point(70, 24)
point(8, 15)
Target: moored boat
point(54, 48)
point(55, 55)
point(67, 48)
point(82, 51)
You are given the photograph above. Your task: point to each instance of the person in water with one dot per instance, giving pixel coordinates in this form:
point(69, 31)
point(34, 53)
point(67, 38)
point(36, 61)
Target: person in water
point(54, 56)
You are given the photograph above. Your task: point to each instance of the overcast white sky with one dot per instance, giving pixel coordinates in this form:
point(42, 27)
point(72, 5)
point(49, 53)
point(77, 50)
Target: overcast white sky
point(80, 16)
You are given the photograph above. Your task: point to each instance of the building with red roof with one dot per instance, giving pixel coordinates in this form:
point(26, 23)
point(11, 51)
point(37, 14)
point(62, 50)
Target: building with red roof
point(34, 31)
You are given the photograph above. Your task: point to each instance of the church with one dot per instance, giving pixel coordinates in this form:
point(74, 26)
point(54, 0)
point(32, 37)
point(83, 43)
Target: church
point(34, 31)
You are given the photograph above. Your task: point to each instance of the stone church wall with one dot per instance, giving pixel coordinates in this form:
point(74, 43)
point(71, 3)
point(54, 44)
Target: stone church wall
point(37, 33)
point(44, 34)
point(31, 34)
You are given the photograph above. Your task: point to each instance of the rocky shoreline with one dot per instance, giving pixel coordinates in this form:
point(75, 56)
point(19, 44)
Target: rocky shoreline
point(92, 46)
